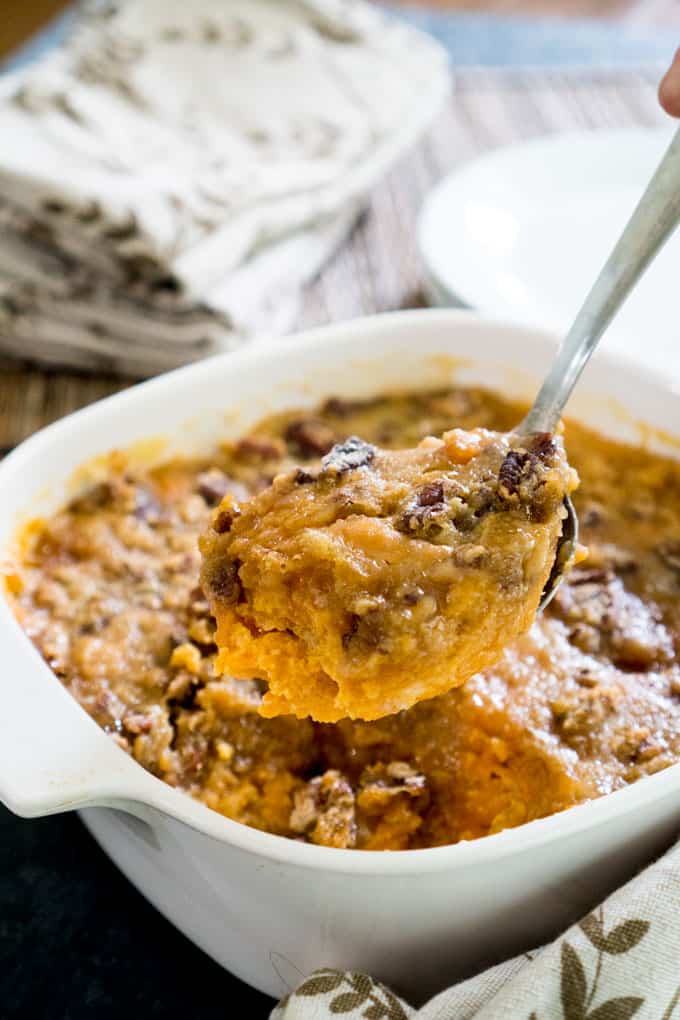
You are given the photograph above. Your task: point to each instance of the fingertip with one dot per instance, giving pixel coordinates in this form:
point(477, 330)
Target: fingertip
point(669, 88)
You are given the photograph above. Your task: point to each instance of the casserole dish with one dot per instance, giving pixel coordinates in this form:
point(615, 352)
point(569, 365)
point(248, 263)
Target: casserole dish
point(272, 909)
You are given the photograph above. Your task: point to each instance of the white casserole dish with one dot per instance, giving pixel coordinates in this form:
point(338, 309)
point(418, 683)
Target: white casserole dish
point(267, 908)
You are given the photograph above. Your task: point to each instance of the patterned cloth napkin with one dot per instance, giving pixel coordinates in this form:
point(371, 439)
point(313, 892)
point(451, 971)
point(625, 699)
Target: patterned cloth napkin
point(176, 171)
point(621, 961)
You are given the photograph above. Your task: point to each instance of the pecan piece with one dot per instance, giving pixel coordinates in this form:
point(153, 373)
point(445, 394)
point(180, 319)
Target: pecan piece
point(605, 619)
point(324, 811)
point(223, 522)
point(213, 485)
point(146, 506)
point(541, 444)
point(431, 494)
point(97, 497)
point(310, 437)
point(352, 628)
point(349, 455)
point(381, 783)
point(515, 469)
point(425, 515)
point(224, 583)
point(303, 477)
point(260, 448)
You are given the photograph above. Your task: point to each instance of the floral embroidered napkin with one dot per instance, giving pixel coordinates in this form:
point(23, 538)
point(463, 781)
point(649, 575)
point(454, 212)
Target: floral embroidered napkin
point(176, 171)
point(621, 961)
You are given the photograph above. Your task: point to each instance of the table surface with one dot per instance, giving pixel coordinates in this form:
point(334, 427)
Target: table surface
point(76, 940)
point(378, 269)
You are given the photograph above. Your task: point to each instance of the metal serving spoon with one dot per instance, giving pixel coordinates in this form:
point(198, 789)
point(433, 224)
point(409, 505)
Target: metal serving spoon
point(653, 221)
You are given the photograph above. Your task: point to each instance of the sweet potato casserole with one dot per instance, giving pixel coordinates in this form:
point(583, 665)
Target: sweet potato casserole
point(586, 702)
point(385, 577)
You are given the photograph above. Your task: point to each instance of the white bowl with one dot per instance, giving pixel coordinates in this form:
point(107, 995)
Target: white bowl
point(267, 908)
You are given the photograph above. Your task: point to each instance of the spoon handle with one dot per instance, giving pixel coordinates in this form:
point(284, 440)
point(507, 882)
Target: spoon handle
point(653, 221)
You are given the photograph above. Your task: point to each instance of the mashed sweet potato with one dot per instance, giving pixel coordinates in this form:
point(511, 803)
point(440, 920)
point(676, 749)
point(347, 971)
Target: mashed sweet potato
point(385, 577)
point(584, 703)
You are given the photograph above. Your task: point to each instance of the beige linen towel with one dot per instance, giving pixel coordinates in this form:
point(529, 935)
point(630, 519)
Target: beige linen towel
point(621, 961)
point(174, 173)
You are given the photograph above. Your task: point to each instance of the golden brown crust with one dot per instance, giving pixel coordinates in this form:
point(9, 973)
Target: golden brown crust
point(385, 577)
point(587, 701)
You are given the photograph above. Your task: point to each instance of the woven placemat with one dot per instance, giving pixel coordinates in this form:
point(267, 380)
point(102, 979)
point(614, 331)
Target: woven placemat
point(378, 270)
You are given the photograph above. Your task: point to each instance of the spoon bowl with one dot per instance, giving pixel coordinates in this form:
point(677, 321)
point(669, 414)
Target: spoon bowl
point(564, 556)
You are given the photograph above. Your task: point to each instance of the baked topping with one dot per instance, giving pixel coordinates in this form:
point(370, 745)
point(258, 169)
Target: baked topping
point(587, 701)
point(471, 520)
point(349, 455)
point(606, 620)
point(324, 811)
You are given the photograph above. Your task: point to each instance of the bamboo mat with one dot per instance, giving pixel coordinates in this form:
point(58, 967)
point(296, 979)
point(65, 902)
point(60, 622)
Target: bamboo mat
point(377, 269)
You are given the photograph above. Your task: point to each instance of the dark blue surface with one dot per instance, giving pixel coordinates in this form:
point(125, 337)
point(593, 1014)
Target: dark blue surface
point(487, 40)
point(77, 942)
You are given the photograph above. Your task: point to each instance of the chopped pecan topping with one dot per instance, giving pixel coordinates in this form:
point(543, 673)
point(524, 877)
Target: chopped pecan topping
point(310, 437)
point(380, 784)
point(542, 445)
point(524, 478)
point(517, 467)
point(182, 689)
point(260, 448)
point(324, 811)
point(432, 510)
point(351, 630)
point(196, 596)
point(213, 485)
point(143, 503)
point(202, 632)
point(138, 722)
point(349, 455)
point(426, 513)
point(303, 477)
point(121, 494)
point(223, 522)
point(422, 521)
point(604, 619)
point(364, 629)
point(97, 497)
point(471, 556)
point(431, 494)
point(146, 506)
point(224, 582)
point(636, 745)
point(580, 716)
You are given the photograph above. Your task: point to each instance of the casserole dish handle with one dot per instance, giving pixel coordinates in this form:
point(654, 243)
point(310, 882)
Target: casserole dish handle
point(53, 756)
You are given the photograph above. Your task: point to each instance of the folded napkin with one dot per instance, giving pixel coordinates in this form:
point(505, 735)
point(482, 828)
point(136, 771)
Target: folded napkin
point(176, 171)
point(621, 961)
